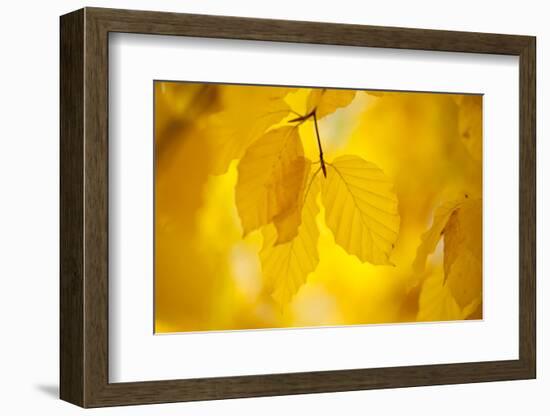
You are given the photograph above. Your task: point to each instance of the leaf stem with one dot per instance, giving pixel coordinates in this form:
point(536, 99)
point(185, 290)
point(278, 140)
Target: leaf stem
point(323, 167)
point(300, 120)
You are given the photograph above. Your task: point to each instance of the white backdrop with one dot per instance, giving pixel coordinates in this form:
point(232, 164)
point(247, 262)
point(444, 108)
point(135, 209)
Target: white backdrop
point(29, 209)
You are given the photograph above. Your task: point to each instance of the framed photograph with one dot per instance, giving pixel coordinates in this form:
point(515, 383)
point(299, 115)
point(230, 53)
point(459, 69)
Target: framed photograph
point(257, 207)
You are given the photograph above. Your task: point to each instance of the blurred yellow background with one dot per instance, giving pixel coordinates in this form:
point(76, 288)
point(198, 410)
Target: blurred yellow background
point(208, 277)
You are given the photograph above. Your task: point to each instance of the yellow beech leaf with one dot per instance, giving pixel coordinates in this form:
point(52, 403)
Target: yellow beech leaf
point(326, 101)
point(436, 302)
point(463, 253)
point(285, 267)
point(465, 279)
point(247, 114)
point(431, 238)
point(459, 223)
point(260, 193)
point(361, 209)
point(293, 186)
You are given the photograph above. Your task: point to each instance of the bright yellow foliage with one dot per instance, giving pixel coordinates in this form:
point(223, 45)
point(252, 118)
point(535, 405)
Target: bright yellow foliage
point(431, 238)
point(361, 209)
point(267, 182)
point(294, 185)
point(459, 224)
point(247, 113)
point(462, 253)
point(436, 302)
point(249, 233)
point(286, 266)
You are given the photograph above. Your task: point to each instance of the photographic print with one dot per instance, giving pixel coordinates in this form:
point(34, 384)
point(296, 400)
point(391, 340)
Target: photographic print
point(293, 207)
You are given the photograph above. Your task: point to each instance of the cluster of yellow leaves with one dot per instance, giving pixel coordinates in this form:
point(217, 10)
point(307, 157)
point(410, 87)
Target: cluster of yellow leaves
point(330, 231)
point(241, 122)
point(459, 224)
point(277, 190)
point(287, 265)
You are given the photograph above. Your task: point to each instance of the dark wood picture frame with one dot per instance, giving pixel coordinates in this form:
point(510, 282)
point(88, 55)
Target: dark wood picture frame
point(84, 207)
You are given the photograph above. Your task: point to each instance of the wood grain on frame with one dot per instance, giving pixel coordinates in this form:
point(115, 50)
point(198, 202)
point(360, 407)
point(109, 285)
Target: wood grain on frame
point(84, 207)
